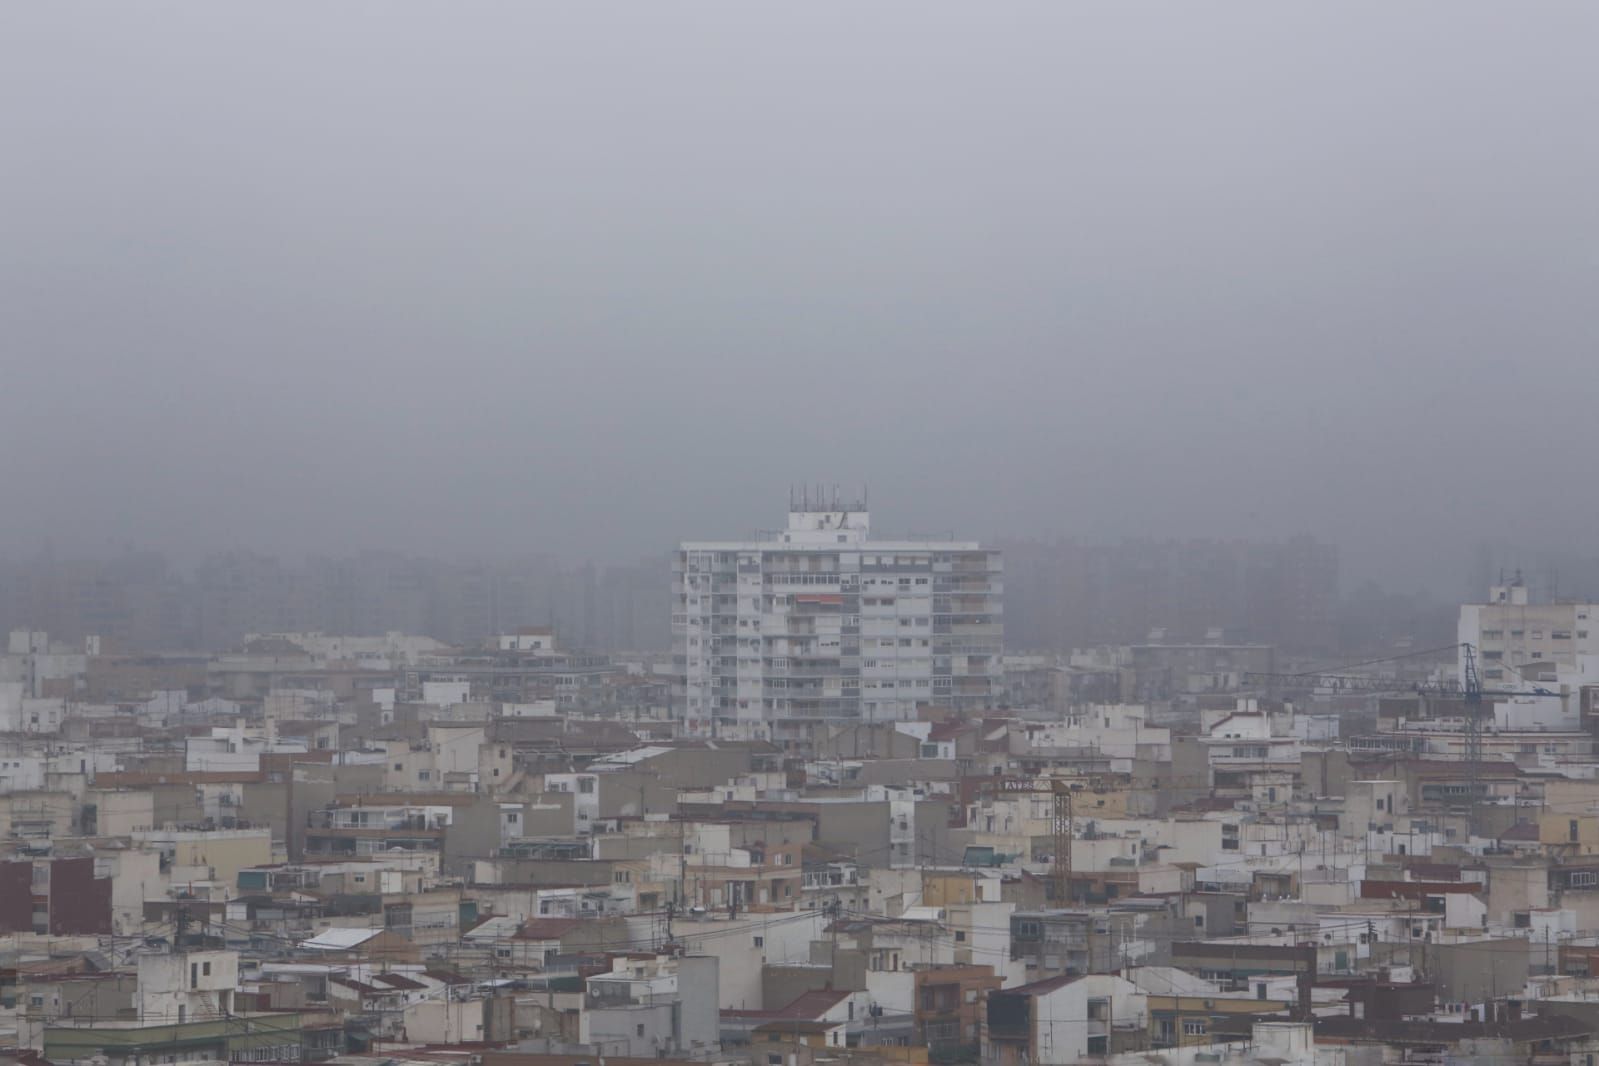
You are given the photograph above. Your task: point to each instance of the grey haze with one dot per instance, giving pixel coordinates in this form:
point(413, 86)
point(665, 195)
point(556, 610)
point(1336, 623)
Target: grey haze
point(593, 278)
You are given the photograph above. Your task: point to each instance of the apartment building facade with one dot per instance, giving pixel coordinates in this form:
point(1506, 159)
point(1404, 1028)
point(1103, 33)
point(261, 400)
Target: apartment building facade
point(1519, 641)
point(820, 623)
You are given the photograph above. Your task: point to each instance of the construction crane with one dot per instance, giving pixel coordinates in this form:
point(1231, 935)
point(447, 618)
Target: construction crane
point(1468, 689)
point(1060, 793)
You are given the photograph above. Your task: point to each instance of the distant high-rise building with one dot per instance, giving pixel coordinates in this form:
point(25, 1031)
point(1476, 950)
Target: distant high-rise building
point(820, 623)
point(1071, 594)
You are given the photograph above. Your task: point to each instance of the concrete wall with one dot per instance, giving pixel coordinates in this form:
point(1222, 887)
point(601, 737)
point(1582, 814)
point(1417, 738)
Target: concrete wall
point(632, 794)
point(438, 1022)
point(176, 804)
point(118, 812)
point(1513, 888)
point(783, 938)
point(685, 768)
point(474, 833)
point(699, 990)
point(1479, 970)
point(858, 828)
point(1189, 771)
point(223, 853)
point(135, 877)
point(267, 803)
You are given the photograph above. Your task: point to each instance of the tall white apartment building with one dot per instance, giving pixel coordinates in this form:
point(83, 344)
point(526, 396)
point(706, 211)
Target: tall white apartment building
point(820, 623)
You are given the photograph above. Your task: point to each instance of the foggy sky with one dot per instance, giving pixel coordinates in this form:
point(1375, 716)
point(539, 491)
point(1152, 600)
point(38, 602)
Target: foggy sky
point(593, 278)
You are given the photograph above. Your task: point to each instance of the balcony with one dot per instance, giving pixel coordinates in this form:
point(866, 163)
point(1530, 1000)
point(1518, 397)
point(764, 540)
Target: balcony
point(820, 670)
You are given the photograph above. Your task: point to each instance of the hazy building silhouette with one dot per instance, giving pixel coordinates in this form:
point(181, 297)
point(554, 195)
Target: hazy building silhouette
point(1071, 594)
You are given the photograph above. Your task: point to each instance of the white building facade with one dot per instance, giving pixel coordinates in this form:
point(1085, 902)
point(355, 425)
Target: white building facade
point(820, 623)
point(1518, 641)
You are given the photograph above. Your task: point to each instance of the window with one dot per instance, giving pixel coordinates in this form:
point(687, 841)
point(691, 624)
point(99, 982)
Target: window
point(586, 785)
point(205, 969)
point(760, 941)
point(1194, 1027)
